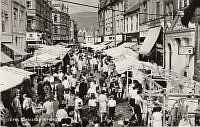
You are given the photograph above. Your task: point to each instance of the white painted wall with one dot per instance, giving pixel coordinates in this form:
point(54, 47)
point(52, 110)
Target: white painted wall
point(179, 62)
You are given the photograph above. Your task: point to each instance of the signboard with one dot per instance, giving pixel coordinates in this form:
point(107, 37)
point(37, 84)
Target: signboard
point(109, 38)
point(112, 38)
point(186, 50)
point(118, 37)
point(143, 33)
point(33, 36)
point(131, 37)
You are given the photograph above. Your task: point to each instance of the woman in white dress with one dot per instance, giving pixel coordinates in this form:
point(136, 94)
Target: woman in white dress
point(102, 104)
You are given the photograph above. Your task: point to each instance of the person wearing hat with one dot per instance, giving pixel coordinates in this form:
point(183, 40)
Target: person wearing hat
point(111, 106)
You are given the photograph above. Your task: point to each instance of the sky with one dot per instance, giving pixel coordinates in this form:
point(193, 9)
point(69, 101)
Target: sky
point(77, 8)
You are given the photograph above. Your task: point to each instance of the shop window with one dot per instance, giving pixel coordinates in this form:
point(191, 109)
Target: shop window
point(56, 30)
point(126, 24)
point(55, 18)
point(29, 4)
point(29, 23)
point(3, 25)
point(145, 11)
point(137, 23)
point(16, 40)
point(15, 14)
point(183, 3)
point(131, 23)
point(157, 8)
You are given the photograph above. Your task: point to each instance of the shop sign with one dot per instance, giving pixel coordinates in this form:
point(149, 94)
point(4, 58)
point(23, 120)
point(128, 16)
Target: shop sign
point(118, 37)
point(131, 37)
point(109, 38)
point(31, 36)
point(143, 33)
point(186, 50)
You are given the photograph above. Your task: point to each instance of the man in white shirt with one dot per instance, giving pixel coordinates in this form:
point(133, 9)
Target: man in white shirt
point(132, 94)
point(27, 106)
point(80, 65)
point(74, 70)
point(92, 103)
point(60, 75)
point(61, 113)
point(66, 84)
point(78, 104)
point(73, 81)
point(105, 69)
point(48, 106)
point(112, 104)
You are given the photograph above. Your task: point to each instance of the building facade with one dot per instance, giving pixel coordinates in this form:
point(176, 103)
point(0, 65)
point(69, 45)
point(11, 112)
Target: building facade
point(131, 28)
point(151, 19)
point(13, 28)
point(61, 22)
point(111, 18)
point(6, 21)
point(82, 36)
point(72, 30)
point(180, 41)
point(39, 23)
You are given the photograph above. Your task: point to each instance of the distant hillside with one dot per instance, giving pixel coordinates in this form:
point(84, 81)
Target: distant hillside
point(86, 19)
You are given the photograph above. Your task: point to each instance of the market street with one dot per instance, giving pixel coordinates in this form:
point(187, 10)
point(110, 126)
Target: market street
point(100, 63)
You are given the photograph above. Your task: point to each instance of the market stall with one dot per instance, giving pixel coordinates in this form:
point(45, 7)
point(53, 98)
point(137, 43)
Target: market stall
point(11, 77)
point(12, 80)
point(118, 51)
point(46, 56)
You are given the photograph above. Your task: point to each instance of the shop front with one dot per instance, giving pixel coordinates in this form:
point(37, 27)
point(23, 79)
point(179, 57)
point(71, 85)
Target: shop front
point(34, 40)
point(131, 37)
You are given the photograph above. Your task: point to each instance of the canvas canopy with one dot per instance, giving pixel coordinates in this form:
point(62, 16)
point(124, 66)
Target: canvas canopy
point(4, 58)
point(11, 77)
point(118, 51)
point(47, 55)
point(125, 62)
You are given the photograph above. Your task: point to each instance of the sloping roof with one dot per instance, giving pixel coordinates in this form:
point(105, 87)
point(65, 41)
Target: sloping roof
point(133, 9)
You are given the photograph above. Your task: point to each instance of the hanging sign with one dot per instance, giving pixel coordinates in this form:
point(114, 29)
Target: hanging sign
point(186, 50)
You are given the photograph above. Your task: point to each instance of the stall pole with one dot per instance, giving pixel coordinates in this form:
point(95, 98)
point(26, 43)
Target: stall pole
point(132, 74)
point(127, 86)
point(164, 104)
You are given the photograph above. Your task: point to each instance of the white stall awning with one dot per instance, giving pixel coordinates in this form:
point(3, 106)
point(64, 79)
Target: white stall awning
point(150, 40)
